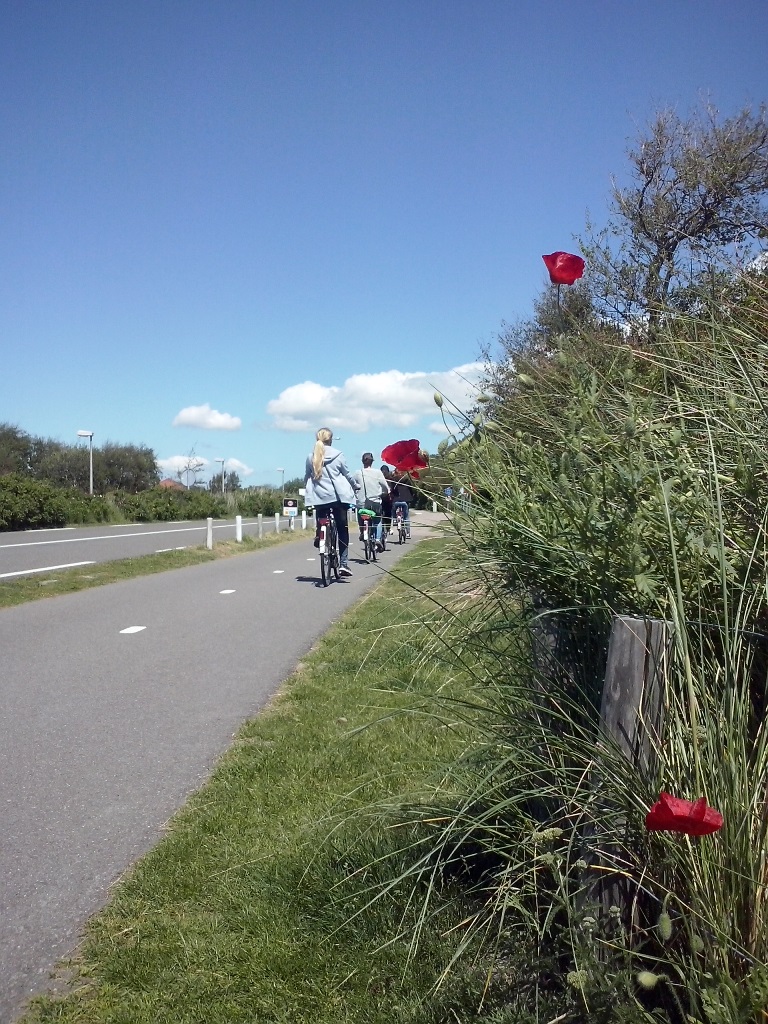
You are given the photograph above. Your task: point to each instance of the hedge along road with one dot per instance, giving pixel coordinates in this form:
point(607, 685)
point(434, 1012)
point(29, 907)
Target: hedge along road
point(117, 702)
point(33, 551)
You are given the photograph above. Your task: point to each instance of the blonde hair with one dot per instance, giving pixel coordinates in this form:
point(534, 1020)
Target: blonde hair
point(324, 436)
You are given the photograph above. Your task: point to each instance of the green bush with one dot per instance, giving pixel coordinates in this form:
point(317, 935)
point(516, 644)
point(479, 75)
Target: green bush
point(26, 504)
point(163, 505)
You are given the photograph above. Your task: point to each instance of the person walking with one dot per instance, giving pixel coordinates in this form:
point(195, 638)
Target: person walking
point(372, 487)
point(330, 487)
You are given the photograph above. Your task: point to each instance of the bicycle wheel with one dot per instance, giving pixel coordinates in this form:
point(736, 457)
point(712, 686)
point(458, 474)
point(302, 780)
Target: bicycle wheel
point(324, 552)
point(366, 543)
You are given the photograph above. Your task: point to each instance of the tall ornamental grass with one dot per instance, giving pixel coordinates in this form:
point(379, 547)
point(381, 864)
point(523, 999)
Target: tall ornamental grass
point(607, 477)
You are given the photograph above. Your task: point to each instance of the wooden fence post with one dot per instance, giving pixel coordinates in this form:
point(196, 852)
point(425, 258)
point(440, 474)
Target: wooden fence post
point(631, 714)
point(631, 707)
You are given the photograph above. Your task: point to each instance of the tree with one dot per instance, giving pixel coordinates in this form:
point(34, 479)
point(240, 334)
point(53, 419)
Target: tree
point(15, 449)
point(696, 202)
point(190, 471)
point(125, 467)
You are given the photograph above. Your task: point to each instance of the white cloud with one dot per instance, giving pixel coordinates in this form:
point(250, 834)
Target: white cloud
point(236, 466)
point(366, 400)
point(206, 418)
point(172, 465)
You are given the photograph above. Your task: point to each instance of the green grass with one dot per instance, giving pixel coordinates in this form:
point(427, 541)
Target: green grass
point(245, 911)
point(21, 589)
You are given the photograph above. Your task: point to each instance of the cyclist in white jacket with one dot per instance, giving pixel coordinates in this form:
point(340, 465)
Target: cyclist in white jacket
point(331, 488)
point(372, 488)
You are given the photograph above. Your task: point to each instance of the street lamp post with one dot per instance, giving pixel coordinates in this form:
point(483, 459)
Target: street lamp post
point(89, 435)
point(282, 479)
point(222, 474)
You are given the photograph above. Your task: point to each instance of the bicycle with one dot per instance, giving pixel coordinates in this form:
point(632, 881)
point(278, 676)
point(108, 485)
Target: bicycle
point(400, 526)
point(366, 517)
point(329, 549)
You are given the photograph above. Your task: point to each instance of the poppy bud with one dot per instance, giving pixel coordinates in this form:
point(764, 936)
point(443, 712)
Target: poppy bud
point(438, 399)
point(647, 979)
point(665, 926)
point(526, 380)
point(483, 398)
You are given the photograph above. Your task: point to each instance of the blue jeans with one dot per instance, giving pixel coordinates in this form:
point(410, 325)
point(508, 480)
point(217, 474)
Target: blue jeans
point(374, 524)
point(406, 516)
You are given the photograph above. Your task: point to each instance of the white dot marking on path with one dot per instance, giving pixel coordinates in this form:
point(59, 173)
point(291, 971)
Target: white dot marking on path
point(226, 591)
point(133, 629)
point(276, 572)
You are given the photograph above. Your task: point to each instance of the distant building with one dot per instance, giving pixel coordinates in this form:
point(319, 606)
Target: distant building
point(172, 485)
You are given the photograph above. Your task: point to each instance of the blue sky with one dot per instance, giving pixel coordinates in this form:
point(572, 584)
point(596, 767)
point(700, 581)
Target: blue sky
point(226, 223)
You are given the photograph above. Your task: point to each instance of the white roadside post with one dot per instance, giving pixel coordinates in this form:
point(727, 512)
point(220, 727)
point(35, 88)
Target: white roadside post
point(277, 522)
point(239, 529)
point(303, 494)
point(260, 519)
point(209, 534)
point(434, 506)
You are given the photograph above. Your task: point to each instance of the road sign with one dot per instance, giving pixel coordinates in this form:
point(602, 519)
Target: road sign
point(290, 507)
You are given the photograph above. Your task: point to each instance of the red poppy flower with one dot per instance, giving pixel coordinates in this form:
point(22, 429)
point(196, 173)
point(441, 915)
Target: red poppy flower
point(671, 814)
point(406, 457)
point(564, 267)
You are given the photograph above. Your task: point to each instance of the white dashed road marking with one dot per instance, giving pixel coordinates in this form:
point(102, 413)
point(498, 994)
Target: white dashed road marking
point(276, 572)
point(133, 629)
point(226, 591)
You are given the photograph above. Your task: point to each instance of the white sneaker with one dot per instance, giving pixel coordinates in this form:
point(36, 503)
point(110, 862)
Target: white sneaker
point(344, 570)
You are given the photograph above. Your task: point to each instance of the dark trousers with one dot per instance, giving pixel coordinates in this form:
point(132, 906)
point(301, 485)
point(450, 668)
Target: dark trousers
point(386, 515)
point(339, 512)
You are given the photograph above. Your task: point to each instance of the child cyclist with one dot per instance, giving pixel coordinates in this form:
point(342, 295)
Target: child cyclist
point(372, 487)
point(331, 488)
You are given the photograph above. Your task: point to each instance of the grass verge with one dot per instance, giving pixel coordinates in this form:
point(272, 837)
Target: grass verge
point(244, 911)
point(21, 589)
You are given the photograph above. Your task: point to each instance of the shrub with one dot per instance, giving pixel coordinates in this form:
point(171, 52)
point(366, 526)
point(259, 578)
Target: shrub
point(26, 504)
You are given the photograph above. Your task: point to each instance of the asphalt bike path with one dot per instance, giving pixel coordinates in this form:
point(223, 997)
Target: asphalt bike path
point(116, 704)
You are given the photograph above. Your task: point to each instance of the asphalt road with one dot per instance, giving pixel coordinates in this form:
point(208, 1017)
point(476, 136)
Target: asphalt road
point(117, 702)
point(31, 551)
